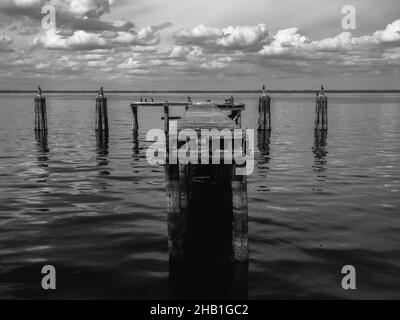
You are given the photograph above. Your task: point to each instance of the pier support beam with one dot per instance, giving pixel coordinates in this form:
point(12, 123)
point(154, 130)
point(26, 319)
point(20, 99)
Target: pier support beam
point(176, 226)
point(264, 113)
point(101, 124)
point(240, 242)
point(40, 114)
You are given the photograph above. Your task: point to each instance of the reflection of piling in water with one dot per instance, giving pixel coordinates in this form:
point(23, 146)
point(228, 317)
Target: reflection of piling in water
point(320, 152)
point(196, 279)
point(102, 152)
point(101, 143)
point(321, 112)
point(42, 146)
point(101, 114)
point(208, 246)
point(40, 113)
point(263, 142)
point(320, 139)
point(135, 140)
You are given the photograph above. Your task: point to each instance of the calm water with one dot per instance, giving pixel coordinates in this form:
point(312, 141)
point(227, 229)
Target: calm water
point(97, 212)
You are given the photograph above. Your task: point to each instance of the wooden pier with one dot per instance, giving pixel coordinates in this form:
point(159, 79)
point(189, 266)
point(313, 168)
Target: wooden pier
point(182, 189)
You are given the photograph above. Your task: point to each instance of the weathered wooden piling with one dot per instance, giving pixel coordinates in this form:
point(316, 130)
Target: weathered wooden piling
point(321, 111)
point(264, 113)
point(176, 226)
point(166, 118)
point(135, 120)
point(40, 113)
point(240, 217)
point(101, 112)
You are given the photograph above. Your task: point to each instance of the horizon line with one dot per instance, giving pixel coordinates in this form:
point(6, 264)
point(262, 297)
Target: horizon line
point(213, 91)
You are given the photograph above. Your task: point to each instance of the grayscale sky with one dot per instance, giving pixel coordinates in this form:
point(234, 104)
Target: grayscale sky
point(205, 44)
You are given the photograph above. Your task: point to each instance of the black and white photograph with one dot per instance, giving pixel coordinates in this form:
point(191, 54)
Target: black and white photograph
point(214, 150)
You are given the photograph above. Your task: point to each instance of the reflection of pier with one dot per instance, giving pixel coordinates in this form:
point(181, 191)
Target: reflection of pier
point(102, 151)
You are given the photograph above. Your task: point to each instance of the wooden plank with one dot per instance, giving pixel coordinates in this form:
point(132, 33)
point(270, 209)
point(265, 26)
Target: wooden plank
point(159, 104)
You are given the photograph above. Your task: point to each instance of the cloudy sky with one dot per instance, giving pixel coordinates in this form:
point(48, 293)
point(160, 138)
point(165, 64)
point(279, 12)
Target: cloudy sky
point(205, 44)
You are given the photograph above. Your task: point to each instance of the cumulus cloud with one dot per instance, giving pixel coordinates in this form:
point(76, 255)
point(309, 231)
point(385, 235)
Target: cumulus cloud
point(290, 42)
point(83, 40)
point(77, 8)
point(248, 38)
point(72, 15)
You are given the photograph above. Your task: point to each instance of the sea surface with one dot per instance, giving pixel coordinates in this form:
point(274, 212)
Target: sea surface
point(97, 212)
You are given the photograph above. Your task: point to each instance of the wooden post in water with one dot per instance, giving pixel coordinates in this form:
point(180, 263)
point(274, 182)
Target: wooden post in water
point(101, 124)
point(240, 242)
point(40, 112)
point(166, 118)
point(135, 120)
point(264, 112)
point(176, 225)
point(321, 111)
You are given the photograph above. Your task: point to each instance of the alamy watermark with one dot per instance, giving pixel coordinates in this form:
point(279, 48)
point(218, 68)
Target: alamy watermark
point(230, 146)
point(349, 20)
point(349, 280)
point(49, 21)
point(49, 280)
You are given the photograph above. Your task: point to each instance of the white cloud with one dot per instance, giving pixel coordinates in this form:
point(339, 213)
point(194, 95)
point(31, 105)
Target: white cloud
point(247, 38)
point(390, 34)
point(83, 40)
point(290, 42)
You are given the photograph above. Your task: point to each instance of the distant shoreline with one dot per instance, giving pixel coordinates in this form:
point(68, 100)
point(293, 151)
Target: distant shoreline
point(201, 91)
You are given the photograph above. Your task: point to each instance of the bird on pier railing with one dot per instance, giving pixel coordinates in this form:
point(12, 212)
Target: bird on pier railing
point(39, 92)
point(141, 99)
